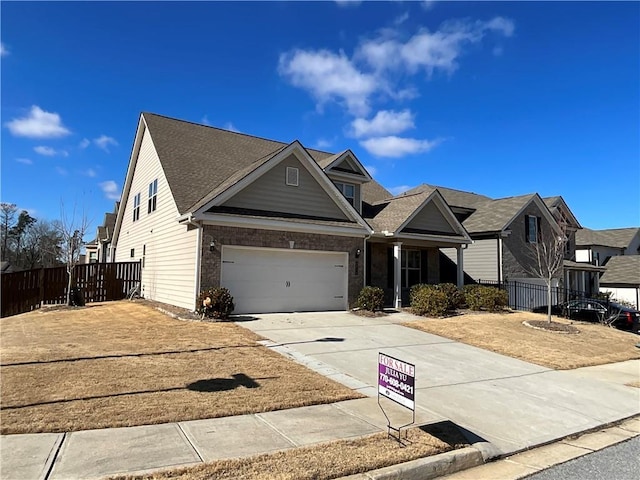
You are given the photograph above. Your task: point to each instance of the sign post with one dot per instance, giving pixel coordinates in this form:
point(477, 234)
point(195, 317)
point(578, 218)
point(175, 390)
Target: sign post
point(396, 381)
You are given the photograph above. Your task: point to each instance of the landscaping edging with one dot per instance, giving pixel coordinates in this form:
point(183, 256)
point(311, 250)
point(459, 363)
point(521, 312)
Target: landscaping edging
point(564, 332)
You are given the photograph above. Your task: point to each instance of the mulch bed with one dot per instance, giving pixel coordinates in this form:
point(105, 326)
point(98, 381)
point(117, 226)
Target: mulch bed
point(551, 326)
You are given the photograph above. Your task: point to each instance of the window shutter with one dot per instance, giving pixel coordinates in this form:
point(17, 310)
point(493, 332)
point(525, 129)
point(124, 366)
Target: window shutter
point(538, 231)
point(526, 228)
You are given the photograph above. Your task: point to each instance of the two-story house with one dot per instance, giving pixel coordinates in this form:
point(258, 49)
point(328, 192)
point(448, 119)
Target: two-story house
point(284, 227)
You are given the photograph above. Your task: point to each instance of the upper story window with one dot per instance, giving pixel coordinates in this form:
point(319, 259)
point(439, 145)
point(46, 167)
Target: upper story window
point(532, 227)
point(136, 207)
point(293, 176)
point(349, 192)
point(153, 196)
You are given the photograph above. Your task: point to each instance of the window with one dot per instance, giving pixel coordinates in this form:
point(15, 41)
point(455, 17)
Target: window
point(349, 192)
point(292, 176)
point(133, 252)
point(532, 224)
point(93, 257)
point(410, 263)
point(136, 207)
point(153, 195)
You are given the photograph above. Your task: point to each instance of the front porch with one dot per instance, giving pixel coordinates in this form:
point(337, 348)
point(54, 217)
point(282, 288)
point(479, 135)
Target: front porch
point(396, 266)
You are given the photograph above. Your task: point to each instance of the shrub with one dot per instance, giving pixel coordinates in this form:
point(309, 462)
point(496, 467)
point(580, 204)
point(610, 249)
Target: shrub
point(215, 303)
point(454, 295)
point(371, 299)
point(480, 297)
point(429, 300)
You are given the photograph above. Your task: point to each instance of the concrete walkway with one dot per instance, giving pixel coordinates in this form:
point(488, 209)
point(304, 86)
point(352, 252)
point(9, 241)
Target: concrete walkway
point(504, 404)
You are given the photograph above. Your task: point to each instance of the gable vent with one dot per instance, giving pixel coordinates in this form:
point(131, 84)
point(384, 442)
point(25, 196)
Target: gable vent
point(292, 176)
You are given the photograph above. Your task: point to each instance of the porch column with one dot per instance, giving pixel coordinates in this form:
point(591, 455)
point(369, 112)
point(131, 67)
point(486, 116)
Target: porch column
point(397, 274)
point(583, 283)
point(596, 282)
point(460, 276)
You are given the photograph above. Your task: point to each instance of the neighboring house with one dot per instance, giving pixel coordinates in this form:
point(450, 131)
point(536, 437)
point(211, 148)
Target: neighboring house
point(622, 279)
point(98, 250)
point(598, 246)
point(504, 231)
point(283, 227)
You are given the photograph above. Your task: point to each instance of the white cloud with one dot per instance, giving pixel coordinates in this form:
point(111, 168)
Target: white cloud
point(395, 147)
point(90, 172)
point(3, 50)
point(84, 143)
point(385, 122)
point(110, 189)
point(373, 171)
point(231, 127)
point(430, 51)
point(103, 142)
point(46, 151)
point(323, 143)
point(25, 161)
point(400, 19)
point(399, 189)
point(329, 76)
point(205, 121)
point(61, 171)
point(348, 3)
point(428, 4)
point(38, 124)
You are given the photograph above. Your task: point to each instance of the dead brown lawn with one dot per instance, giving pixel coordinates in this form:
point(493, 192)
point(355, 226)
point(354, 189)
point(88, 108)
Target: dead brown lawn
point(124, 364)
point(504, 333)
point(324, 461)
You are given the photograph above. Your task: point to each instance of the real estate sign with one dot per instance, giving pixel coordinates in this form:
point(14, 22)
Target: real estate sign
point(396, 380)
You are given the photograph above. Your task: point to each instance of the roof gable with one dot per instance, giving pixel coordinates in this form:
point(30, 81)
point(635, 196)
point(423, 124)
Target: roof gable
point(198, 159)
point(245, 193)
point(345, 163)
point(561, 211)
point(424, 213)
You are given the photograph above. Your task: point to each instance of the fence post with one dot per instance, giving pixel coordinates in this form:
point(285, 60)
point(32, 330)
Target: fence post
point(41, 286)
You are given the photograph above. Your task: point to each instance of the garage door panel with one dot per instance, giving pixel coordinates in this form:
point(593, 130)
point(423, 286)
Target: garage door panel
point(271, 280)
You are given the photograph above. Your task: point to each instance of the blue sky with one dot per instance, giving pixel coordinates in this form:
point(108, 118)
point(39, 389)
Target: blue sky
point(502, 99)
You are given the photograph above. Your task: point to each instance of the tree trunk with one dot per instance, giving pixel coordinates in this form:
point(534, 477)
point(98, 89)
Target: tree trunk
point(549, 301)
point(70, 274)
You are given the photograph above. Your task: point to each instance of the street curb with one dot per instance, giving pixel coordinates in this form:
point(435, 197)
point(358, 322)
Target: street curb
point(426, 468)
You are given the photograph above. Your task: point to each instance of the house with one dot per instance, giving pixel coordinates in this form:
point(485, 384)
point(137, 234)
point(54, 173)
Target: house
point(503, 232)
point(98, 249)
point(622, 279)
point(598, 246)
point(284, 227)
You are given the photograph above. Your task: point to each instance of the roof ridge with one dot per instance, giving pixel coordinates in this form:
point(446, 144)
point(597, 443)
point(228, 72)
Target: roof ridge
point(231, 131)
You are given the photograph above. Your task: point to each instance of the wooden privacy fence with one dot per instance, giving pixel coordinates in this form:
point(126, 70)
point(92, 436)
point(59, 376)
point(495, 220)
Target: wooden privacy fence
point(98, 282)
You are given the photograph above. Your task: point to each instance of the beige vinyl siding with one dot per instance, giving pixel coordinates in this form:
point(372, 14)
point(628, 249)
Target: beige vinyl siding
point(271, 193)
point(168, 275)
point(480, 259)
point(431, 219)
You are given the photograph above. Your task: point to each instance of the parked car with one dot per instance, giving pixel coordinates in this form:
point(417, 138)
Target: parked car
point(623, 317)
point(555, 310)
point(585, 309)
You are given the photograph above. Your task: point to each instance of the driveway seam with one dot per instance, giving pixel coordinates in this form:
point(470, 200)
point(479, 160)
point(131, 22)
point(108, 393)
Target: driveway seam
point(191, 444)
point(56, 453)
point(277, 430)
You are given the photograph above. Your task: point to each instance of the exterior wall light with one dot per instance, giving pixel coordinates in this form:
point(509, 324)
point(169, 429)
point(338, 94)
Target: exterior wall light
point(212, 246)
point(358, 252)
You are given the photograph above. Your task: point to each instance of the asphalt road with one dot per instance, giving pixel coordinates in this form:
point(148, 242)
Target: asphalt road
point(619, 462)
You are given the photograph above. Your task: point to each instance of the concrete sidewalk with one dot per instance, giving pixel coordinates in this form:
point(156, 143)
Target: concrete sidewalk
point(503, 405)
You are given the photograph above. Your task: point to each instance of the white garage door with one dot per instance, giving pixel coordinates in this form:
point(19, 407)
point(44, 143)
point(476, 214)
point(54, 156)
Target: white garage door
point(265, 280)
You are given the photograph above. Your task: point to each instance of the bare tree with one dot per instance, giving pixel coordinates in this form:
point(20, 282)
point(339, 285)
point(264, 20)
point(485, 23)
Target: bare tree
point(41, 246)
point(71, 231)
point(7, 221)
point(547, 257)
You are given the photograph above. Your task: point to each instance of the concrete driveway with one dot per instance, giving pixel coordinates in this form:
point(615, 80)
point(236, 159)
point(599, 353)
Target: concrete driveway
point(512, 404)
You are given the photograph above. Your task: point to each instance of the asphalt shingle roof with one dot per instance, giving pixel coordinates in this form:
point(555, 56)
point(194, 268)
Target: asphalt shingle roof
point(393, 212)
point(197, 159)
point(623, 269)
point(616, 238)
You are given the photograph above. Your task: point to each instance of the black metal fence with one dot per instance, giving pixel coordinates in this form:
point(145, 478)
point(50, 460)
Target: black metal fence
point(527, 296)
